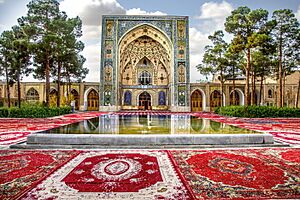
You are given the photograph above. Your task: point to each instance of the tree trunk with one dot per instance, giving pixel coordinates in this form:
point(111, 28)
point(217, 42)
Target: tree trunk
point(253, 87)
point(247, 102)
point(19, 89)
point(47, 73)
point(298, 93)
point(58, 84)
point(279, 93)
point(260, 89)
point(233, 86)
point(254, 98)
point(7, 87)
point(222, 85)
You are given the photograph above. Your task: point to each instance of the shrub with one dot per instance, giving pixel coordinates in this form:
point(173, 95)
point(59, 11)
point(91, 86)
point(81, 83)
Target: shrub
point(258, 111)
point(33, 111)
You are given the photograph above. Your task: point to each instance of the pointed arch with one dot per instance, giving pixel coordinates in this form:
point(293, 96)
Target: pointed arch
point(198, 100)
point(145, 100)
point(127, 98)
point(240, 97)
point(32, 95)
point(76, 97)
point(94, 102)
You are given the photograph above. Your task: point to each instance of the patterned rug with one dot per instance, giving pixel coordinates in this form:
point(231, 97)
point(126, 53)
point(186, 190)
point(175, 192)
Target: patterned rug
point(12, 137)
point(22, 170)
point(112, 174)
point(241, 174)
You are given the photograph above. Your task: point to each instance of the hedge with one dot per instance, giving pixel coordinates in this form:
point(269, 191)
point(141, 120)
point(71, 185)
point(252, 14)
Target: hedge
point(33, 111)
point(258, 111)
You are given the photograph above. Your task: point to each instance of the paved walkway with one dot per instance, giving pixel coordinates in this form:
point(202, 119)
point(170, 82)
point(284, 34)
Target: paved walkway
point(223, 173)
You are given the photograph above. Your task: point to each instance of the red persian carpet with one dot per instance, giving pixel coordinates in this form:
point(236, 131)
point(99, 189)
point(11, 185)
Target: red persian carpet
point(12, 137)
point(22, 170)
point(112, 174)
point(241, 174)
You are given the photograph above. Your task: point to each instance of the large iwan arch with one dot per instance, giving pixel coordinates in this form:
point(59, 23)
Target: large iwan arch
point(148, 54)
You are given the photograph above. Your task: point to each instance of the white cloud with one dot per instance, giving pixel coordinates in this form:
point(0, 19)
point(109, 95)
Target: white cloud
point(212, 18)
point(91, 33)
point(2, 28)
point(198, 40)
point(298, 13)
point(213, 15)
point(138, 11)
point(92, 54)
point(1, 1)
point(91, 11)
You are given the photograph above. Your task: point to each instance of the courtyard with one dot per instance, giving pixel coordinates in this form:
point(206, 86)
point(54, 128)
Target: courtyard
point(158, 172)
point(117, 100)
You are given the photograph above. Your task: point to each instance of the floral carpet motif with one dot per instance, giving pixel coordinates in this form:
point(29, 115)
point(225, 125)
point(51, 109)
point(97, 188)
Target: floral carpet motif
point(22, 170)
point(111, 174)
point(241, 174)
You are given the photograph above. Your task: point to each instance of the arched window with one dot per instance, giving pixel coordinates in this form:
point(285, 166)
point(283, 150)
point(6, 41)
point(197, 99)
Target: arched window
point(270, 93)
point(32, 95)
point(162, 98)
point(127, 98)
point(145, 78)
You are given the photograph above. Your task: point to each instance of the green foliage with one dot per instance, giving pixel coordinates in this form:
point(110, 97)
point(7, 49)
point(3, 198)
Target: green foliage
point(33, 111)
point(258, 111)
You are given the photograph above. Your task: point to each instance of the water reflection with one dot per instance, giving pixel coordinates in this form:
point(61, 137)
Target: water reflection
point(148, 124)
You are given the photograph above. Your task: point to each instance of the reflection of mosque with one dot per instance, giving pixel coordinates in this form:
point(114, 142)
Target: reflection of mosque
point(145, 124)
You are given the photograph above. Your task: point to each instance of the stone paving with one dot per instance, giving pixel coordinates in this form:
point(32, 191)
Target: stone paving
point(198, 173)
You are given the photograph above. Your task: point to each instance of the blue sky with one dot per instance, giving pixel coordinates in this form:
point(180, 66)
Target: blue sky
point(206, 16)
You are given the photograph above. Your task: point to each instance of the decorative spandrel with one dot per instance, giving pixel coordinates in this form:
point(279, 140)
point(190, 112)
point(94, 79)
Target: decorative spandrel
point(125, 25)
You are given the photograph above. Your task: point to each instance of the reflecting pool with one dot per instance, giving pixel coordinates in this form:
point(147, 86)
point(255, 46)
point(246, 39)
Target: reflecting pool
point(148, 124)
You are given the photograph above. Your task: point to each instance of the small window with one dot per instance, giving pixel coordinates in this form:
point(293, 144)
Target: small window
point(145, 78)
point(270, 93)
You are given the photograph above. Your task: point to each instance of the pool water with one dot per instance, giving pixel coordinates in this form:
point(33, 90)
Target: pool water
point(148, 124)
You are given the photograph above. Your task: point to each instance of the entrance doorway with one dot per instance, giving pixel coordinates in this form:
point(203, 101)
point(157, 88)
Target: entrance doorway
point(196, 101)
point(215, 100)
point(145, 101)
point(93, 100)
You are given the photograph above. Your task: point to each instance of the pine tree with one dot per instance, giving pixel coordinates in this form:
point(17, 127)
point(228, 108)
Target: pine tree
point(246, 26)
point(42, 32)
point(214, 60)
point(285, 35)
